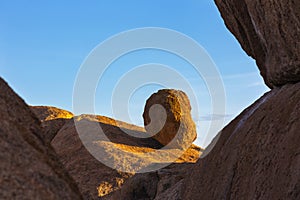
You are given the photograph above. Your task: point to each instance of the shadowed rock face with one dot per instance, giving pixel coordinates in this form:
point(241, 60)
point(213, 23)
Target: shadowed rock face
point(268, 31)
point(167, 184)
point(29, 169)
point(257, 155)
point(167, 116)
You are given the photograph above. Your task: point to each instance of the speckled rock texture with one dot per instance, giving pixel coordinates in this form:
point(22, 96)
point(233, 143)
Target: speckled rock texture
point(268, 31)
point(29, 169)
point(167, 184)
point(94, 178)
point(47, 113)
point(257, 156)
point(52, 120)
point(167, 118)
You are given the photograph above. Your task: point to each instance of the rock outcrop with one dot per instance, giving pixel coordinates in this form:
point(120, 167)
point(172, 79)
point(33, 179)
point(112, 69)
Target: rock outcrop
point(167, 184)
point(47, 113)
point(52, 120)
point(167, 118)
point(29, 169)
point(268, 31)
point(93, 177)
point(257, 155)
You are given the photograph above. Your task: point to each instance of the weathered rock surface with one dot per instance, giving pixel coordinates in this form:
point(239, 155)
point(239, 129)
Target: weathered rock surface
point(52, 120)
point(123, 151)
point(29, 169)
point(47, 113)
point(167, 117)
point(166, 184)
point(268, 31)
point(257, 155)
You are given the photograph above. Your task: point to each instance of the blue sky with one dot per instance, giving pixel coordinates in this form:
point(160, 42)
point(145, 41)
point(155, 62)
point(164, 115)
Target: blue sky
point(43, 44)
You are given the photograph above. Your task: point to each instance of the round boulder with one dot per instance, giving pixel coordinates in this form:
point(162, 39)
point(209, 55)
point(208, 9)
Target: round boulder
point(167, 118)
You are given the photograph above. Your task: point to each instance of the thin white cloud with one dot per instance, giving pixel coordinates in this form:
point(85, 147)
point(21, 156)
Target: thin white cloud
point(235, 76)
point(241, 75)
point(213, 117)
point(256, 84)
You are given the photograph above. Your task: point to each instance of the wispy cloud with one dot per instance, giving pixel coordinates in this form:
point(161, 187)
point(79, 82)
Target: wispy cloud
point(256, 84)
point(213, 117)
point(239, 76)
point(236, 76)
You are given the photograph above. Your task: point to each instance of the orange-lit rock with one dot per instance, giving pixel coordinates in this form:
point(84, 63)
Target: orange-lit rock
point(167, 116)
point(52, 119)
point(95, 178)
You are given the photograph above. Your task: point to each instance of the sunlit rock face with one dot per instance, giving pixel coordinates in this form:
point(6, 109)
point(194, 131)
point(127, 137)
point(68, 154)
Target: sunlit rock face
point(29, 168)
point(94, 177)
point(47, 113)
point(167, 117)
point(52, 119)
point(268, 31)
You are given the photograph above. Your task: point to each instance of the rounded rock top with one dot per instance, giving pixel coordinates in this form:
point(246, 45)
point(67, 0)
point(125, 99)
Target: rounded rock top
point(167, 118)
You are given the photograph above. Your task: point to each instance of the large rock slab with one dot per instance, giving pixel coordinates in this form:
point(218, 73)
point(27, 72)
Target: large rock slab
point(97, 180)
point(268, 31)
point(257, 155)
point(167, 118)
point(29, 169)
